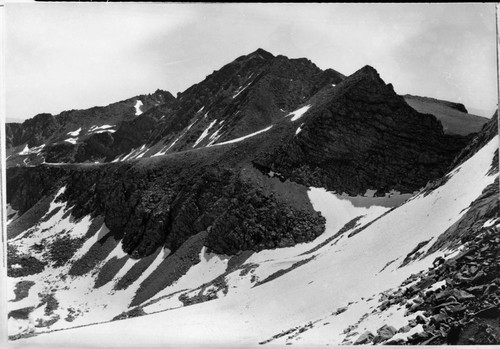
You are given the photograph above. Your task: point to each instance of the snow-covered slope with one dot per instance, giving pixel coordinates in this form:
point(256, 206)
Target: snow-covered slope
point(325, 292)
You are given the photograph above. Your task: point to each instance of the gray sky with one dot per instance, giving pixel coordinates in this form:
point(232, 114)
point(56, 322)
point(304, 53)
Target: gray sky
point(73, 56)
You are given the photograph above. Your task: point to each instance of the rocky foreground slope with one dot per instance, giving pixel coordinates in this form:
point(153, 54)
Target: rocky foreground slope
point(271, 179)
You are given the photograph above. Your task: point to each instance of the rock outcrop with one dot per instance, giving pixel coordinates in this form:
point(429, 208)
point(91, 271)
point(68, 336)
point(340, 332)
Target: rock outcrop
point(165, 204)
point(360, 135)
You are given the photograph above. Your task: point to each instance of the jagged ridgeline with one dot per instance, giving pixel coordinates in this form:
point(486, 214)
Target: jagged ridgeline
point(132, 199)
point(321, 129)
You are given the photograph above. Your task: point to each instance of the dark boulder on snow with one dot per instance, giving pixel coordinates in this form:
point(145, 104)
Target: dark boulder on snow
point(384, 333)
point(365, 338)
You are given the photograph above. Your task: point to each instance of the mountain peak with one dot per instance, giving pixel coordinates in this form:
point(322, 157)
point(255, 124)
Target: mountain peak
point(368, 71)
point(262, 53)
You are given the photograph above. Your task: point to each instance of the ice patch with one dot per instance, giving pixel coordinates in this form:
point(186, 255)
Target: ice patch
point(215, 136)
point(71, 140)
point(75, 133)
point(173, 143)
point(29, 151)
point(299, 112)
point(104, 131)
point(138, 105)
point(204, 134)
point(25, 151)
point(101, 129)
point(244, 137)
point(490, 222)
point(162, 151)
point(135, 153)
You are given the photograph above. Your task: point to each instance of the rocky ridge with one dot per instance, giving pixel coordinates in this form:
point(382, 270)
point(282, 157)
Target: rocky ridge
point(165, 200)
point(347, 141)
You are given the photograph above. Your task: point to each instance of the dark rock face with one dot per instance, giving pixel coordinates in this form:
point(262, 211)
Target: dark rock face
point(165, 204)
point(26, 187)
point(32, 131)
point(248, 94)
point(266, 223)
point(362, 135)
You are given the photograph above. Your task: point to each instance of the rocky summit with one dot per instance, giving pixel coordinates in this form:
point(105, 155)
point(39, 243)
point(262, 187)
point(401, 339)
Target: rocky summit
point(270, 190)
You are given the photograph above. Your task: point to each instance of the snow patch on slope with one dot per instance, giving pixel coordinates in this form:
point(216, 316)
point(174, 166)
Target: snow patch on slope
point(204, 133)
point(244, 137)
point(75, 133)
point(25, 151)
point(30, 151)
point(297, 114)
point(137, 106)
point(101, 129)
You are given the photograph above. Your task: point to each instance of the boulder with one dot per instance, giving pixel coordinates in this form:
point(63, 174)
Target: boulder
point(365, 338)
point(384, 333)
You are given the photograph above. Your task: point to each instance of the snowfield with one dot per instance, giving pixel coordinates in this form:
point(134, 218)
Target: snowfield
point(312, 291)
